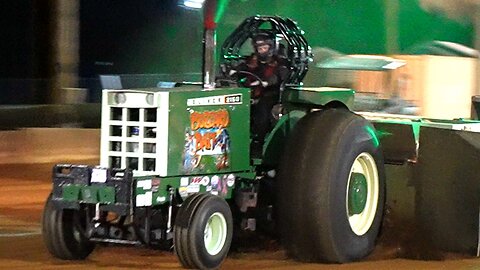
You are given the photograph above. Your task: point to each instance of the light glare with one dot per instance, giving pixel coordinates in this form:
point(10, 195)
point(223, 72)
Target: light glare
point(193, 3)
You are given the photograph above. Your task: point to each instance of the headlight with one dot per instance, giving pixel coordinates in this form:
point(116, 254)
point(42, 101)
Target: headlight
point(149, 99)
point(120, 98)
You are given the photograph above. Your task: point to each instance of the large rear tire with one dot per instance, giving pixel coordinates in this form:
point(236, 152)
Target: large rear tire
point(203, 231)
point(331, 188)
point(63, 232)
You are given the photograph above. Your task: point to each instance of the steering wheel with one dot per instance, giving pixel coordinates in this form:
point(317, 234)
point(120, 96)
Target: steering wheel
point(258, 79)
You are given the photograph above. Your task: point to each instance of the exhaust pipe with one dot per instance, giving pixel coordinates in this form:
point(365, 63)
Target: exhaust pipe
point(209, 44)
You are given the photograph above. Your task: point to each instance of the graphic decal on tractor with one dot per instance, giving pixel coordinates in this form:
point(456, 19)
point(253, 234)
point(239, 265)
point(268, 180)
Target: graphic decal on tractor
point(207, 142)
point(221, 185)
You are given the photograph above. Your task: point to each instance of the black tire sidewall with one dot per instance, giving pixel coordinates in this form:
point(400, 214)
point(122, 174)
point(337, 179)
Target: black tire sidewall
point(314, 177)
point(291, 189)
point(354, 246)
point(58, 229)
point(205, 210)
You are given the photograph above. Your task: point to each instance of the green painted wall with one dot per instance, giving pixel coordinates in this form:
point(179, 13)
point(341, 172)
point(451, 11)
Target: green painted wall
point(415, 26)
point(353, 26)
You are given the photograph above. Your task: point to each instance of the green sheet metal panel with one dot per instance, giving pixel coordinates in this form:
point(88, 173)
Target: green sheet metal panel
point(277, 139)
point(106, 195)
point(319, 95)
point(209, 131)
point(89, 194)
point(71, 192)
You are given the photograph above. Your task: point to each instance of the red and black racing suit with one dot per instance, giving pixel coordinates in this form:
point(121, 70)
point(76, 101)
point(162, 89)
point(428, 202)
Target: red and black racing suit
point(273, 71)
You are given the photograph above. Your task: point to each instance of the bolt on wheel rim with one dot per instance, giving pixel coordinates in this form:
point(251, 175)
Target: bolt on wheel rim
point(362, 193)
point(215, 233)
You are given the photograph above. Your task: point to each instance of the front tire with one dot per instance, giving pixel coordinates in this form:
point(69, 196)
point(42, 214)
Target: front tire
point(331, 188)
point(63, 232)
point(203, 231)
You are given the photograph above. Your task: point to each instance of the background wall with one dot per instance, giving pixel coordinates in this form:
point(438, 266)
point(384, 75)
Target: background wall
point(157, 36)
point(352, 26)
point(439, 86)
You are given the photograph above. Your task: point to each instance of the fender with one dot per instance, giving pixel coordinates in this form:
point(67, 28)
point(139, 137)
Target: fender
point(276, 139)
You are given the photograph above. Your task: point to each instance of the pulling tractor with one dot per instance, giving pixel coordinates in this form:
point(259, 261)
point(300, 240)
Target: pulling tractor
point(176, 170)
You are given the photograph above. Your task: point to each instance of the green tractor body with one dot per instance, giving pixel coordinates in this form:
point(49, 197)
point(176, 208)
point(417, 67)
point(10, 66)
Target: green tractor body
point(174, 143)
point(183, 138)
point(172, 157)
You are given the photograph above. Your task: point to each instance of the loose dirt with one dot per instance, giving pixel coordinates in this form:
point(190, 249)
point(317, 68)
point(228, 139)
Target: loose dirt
point(24, 188)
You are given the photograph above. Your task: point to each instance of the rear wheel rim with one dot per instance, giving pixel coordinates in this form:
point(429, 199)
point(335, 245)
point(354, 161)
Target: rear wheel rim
point(362, 193)
point(215, 233)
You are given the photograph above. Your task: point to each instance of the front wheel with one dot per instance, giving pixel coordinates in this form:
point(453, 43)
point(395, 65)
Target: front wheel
point(203, 231)
point(331, 188)
point(63, 232)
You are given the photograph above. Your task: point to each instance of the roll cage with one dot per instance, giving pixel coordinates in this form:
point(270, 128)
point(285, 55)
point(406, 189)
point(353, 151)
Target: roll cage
point(297, 52)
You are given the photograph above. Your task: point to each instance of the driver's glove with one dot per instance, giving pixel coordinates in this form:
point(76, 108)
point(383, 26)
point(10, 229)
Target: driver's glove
point(263, 83)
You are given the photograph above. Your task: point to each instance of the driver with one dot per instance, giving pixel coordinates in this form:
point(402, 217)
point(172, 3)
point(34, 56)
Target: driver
point(264, 72)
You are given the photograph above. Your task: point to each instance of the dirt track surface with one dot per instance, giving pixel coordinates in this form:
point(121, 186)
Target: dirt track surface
point(24, 188)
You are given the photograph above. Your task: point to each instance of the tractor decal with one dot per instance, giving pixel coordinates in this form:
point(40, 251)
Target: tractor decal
point(219, 185)
point(207, 142)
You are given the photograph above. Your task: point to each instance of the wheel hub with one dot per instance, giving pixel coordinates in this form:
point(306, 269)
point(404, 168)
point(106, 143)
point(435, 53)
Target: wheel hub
point(362, 191)
point(215, 233)
point(357, 192)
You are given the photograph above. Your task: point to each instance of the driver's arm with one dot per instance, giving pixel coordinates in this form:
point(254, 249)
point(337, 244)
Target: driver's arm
point(280, 74)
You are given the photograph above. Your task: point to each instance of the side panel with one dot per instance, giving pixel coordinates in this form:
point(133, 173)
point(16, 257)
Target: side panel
point(104, 131)
point(447, 187)
point(209, 132)
point(319, 96)
point(277, 139)
point(398, 141)
point(162, 133)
